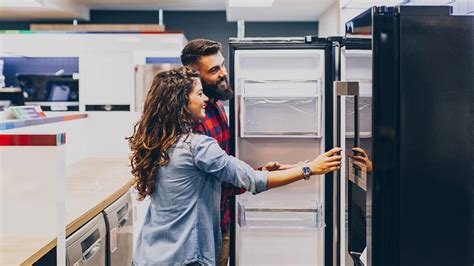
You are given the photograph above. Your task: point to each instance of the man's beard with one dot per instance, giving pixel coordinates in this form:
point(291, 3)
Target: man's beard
point(218, 91)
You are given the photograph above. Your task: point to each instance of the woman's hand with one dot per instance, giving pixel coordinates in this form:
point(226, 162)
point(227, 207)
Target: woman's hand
point(361, 160)
point(326, 162)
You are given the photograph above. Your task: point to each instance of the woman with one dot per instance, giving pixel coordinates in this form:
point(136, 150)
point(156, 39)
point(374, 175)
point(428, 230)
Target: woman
point(181, 171)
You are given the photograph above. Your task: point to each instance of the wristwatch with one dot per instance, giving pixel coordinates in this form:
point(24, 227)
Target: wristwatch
point(306, 170)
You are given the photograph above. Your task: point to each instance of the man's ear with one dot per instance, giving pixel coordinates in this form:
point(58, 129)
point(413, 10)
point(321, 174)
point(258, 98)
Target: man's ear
point(194, 67)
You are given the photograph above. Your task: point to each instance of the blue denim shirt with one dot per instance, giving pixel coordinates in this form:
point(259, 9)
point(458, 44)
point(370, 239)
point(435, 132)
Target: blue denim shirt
point(182, 224)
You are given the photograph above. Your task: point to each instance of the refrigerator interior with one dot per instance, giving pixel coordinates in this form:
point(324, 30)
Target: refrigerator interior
point(356, 66)
point(279, 108)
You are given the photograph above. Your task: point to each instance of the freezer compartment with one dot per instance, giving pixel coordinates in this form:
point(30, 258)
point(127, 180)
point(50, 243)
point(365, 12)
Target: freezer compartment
point(279, 116)
point(258, 217)
point(279, 109)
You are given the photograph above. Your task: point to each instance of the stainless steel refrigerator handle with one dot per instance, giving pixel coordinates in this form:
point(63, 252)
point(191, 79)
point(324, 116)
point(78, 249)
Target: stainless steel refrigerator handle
point(346, 88)
point(91, 251)
point(342, 88)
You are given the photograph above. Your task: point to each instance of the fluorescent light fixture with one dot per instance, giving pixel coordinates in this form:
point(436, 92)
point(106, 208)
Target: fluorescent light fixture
point(370, 3)
point(250, 3)
point(21, 3)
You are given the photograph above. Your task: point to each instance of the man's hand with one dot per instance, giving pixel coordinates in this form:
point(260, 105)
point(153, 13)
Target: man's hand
point(361, 160)
point(273, 166)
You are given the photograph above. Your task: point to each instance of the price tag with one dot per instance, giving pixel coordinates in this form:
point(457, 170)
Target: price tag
point(113, 240)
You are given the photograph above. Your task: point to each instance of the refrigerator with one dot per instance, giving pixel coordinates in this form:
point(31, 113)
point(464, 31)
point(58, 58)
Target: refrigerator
point(283, 91)
point(400, 86)
point(414, 116)
point(353, 123)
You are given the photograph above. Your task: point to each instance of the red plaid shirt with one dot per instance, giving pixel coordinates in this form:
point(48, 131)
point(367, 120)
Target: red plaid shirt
point(215, 125)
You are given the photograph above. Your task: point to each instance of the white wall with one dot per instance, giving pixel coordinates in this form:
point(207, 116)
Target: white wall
point(106, 133)
point(329, 21)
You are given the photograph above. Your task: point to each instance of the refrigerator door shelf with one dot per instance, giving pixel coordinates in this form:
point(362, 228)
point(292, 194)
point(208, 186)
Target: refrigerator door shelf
point(276, 246)
point(357, 65)
point(279, 64)
point(280, 117)
point(277, 218)
point(281, 88)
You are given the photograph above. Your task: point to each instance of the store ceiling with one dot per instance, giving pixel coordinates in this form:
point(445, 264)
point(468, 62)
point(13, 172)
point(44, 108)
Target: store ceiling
point(281, 10)
point(156, 4)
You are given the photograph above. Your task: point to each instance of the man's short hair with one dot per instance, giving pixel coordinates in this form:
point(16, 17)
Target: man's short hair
point(193, 51)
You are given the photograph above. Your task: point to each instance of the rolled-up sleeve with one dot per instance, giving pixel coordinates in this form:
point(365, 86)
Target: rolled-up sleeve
point(210, 158)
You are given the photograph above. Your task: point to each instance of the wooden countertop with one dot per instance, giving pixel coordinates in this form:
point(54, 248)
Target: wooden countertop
point(92, 185)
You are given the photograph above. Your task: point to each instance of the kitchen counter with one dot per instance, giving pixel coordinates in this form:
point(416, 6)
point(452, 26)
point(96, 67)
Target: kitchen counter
point(91, 185)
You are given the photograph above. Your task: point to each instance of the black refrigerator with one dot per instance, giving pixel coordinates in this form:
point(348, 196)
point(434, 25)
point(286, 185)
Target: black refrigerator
point(400, 86)
point(353, 128)
point(419, 197)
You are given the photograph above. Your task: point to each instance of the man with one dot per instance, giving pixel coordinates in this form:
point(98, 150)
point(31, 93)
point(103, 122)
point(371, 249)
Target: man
point(205, 56)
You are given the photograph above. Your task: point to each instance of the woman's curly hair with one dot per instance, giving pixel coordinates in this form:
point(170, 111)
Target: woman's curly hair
point(165, 119)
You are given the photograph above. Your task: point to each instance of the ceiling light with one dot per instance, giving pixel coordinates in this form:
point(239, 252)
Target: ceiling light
point(250, 3)
point(370, 3)
point(21, 3)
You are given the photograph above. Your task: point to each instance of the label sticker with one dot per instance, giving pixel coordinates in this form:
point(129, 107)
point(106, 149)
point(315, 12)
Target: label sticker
point(113, 240)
